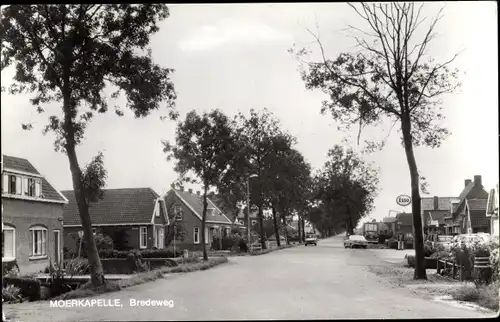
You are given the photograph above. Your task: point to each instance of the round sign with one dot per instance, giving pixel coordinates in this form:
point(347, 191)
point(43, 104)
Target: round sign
point(403, 200)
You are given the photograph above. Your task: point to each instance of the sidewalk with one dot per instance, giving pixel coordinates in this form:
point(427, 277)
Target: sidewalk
point(392, 256)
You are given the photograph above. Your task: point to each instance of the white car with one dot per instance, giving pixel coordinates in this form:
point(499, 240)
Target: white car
point(311, 239)
point(355, 241)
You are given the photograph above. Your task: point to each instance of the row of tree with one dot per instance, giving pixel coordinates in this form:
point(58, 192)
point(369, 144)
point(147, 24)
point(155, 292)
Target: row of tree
point(69, 54)
point(228, 154)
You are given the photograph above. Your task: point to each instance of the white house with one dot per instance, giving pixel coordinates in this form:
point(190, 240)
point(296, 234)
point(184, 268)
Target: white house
point(492, 210)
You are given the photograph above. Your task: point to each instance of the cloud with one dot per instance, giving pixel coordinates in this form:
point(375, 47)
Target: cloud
point(210, 37)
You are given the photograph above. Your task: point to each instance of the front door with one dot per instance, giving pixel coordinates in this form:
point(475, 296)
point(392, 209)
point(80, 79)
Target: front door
point(160, 238)
point(57, 246)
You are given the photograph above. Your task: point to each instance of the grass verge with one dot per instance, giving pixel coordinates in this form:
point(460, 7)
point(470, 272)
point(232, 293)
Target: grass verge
point(112, 286)
point(265, 251)
point(486, 296)
point(483, 295)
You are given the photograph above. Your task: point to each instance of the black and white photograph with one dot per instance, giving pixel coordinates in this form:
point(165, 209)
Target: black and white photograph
point(249, 161)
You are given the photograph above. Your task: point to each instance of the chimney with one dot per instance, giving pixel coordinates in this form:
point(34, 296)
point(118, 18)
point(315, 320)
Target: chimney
point(190, 190)
point(198, 193)
point(477, 181)
point(467, 181)
point(436, 202)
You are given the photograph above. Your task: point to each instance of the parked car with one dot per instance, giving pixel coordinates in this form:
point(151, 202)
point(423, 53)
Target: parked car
point(355, 241)
point(311, 240)
point(466, 239)
point(445, 240)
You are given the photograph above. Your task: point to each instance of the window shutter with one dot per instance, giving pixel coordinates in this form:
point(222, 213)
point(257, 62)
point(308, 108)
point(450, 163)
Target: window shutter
point(25, 186)
point(5, 182)
point(37, 188)
point(19, 181)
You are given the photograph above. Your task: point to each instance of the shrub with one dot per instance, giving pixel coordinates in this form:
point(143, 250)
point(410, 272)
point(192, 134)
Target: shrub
point(102, 242)
point(483, 295)
point(10, 268)
point(227, 243)
point(29, 287)
point(10, 293)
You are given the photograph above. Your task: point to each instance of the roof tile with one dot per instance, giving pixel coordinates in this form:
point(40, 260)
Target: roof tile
point(196, 202)
point(119, 206)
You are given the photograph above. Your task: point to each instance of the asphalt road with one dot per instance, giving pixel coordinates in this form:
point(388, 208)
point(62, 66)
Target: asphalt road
point(313, 282)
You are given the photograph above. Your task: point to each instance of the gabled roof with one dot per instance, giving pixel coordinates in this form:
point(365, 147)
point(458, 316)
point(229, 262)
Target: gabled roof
point(19, 164)
point(438, 215)
point(195, 204)
point(22, 166)
point(492, 205)
point(390, 219)
point(443, 203)
point(118, 207)
point(466, 191)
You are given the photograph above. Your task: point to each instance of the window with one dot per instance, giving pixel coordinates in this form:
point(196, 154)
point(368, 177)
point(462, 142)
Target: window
point(206, 235)
point(178, 213)
point(157, 209)
point(8, 243)
point(93, 231)
point(38, 242)
point(143, 237)
point(196, 235)
point(12, 184)
point(159, 241)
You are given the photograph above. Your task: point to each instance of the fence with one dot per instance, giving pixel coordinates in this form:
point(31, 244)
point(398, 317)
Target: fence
point(479, 263)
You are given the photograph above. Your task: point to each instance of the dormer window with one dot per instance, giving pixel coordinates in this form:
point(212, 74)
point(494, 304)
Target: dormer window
point(21, 185)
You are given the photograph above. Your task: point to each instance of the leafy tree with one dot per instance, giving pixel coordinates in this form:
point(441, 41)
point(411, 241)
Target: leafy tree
point(288, 178)
point(204, 145)
point(93, 179)
point(390, 78)
point(70, 54)
point(258, 133)
point(347, 186)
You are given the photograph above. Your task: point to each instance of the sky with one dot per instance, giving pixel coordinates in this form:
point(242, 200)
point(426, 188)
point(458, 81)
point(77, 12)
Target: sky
point(234, 58)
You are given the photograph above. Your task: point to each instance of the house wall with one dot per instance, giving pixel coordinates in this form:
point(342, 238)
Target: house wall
point(132, 235)
point(479, 221)
point(188, 222)
point(22, 215)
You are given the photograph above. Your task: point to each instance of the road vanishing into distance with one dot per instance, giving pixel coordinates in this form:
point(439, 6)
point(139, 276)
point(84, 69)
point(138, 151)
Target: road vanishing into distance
point(313, 282)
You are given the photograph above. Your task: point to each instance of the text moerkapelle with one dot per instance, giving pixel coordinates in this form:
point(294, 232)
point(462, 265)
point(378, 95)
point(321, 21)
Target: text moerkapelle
point(86, 303)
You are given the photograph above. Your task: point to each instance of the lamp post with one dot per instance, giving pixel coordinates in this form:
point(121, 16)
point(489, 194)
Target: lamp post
point(248, 205)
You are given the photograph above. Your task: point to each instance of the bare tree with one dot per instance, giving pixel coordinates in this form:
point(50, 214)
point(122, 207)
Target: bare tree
point(390, 77)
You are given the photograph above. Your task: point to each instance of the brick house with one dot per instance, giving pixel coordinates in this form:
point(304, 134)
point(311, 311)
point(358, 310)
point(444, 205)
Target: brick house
point(32, 214)
point(468, 212)
point(187, 209)
point(434, 211)
point(492, 211)
point(135, 218)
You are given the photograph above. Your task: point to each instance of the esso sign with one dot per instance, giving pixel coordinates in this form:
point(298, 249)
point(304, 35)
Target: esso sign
point(403, 200)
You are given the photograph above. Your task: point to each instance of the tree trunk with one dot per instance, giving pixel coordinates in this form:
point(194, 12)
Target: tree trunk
point(283, 219)
point(418, 241)
point(261, 224)
point(96, 272)
point(303, 229)
point(203, 221)
point(276, 229)
point(299, 230)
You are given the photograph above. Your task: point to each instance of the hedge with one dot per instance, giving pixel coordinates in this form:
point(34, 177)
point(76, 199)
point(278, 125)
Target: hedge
point(144, 253)
point(30, 288)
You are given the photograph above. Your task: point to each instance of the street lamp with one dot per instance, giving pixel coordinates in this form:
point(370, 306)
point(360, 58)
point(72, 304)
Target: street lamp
point(248, 205)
